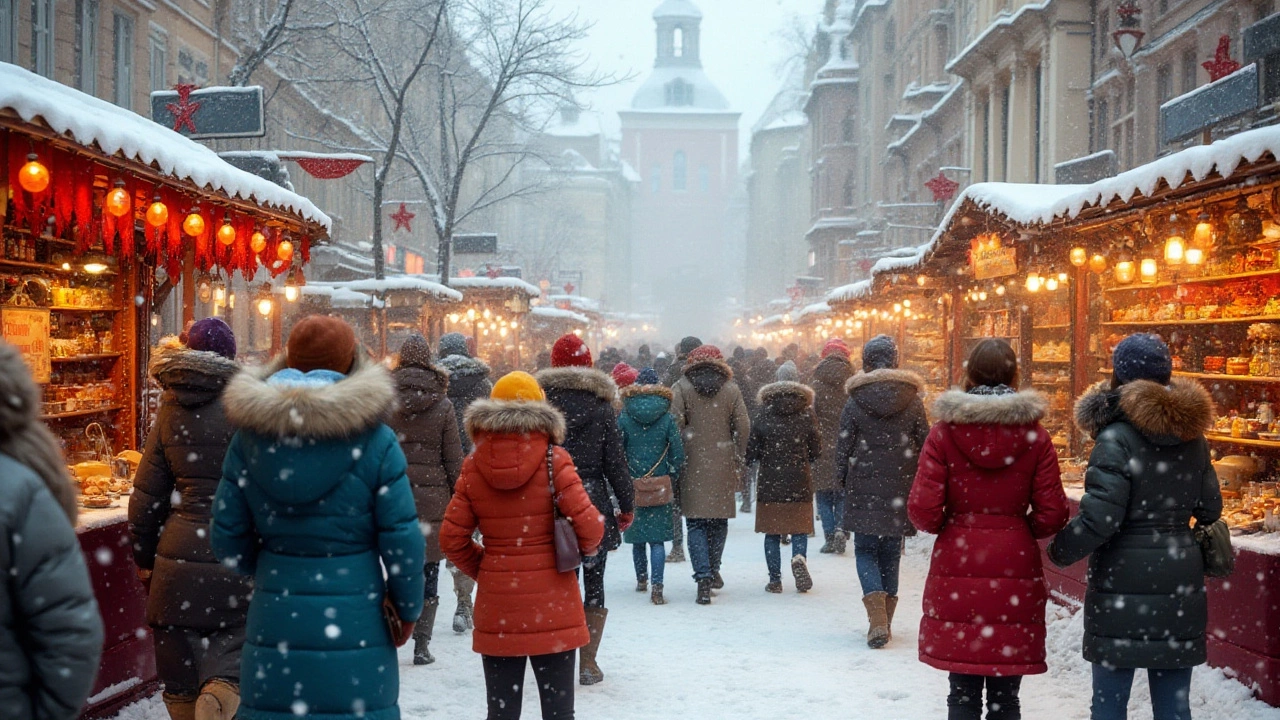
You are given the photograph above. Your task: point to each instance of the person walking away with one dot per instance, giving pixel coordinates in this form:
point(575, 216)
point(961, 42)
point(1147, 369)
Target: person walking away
point(783, 445)
point(314, 503)
point(526, 610)
point(882, 429)
point(988, 486)
point(623, 375)
point(676, 369)
point(1150, 474)
point(829, 396)
point(50, 628)
point(654, 449)
point(671, 374)
point(195, 606)
point(428, 435)
point(712, 416)
point(586, 397)
point(468, 382)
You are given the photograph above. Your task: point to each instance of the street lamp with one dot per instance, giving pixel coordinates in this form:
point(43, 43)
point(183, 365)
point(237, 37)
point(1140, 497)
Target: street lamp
point(1128, 36)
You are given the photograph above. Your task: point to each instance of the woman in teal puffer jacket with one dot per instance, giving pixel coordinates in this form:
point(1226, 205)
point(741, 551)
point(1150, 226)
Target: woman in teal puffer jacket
point(653, 445)
point(314, 503)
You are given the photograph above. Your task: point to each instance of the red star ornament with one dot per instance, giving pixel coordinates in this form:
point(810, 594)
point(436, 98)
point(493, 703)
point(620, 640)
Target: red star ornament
point(403, 218)
point(942, 187)
point(1221, 65)
point(184, 111)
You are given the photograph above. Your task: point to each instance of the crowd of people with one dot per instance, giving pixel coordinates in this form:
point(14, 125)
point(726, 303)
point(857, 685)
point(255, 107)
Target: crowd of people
point(290, 521)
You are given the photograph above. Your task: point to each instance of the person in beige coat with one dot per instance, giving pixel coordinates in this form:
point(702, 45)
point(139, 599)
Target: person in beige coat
point(712, 416)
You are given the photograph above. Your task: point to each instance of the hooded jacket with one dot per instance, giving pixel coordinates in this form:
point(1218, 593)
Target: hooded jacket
point(653, 445)
point(586, 397)
point(711, 414)
point(784, 441)
point(314, 502)
point(468, 382)
point(50, 629)
point(882, 429)
point(524, 606)
point(426, 427)
point(1149, 474)
point(829, 397)
point(988, 486)
point(172, 499)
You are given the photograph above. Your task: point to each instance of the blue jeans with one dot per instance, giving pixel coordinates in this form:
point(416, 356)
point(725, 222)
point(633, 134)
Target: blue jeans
point(878, 558)
point(657, 553)
point(830, 510)
point(706, 538)
point(1170, 693)
point(773, 553)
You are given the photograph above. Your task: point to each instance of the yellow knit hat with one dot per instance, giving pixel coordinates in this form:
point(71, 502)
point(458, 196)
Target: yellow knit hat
point(519, 387)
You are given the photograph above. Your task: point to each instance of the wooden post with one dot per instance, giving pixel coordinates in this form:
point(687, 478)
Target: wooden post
point(956, 311)
point(1081, 363)
point(188, 289)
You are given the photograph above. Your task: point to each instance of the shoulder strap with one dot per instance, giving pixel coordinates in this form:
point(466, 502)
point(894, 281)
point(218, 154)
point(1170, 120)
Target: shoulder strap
point(660, 459)
point(551, 480)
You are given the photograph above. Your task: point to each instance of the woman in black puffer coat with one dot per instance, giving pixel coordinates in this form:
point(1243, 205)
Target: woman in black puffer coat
point(1149, 475)
point(196, 607)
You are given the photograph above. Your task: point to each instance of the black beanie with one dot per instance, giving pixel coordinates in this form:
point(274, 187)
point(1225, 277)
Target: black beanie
point(1142, 356)
point(687, 346)
point(879, 353)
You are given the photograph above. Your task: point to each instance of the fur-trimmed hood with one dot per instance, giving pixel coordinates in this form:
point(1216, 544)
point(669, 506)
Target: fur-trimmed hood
point(508, 454)
point(596, 382)
point(193, 377)
point(634, 390)
point(646, 404)
point(961, 408)
point(463, 366)
point(362, 400)
point(885, 392)
point(709, 376)
point(834, 370)
point(786, 397)
point(420, 388)
point(509, 417)
point(1169, 415)
point(23, 437)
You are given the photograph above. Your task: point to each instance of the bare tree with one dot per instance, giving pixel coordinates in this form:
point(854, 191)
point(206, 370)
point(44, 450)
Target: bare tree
point(257, 34)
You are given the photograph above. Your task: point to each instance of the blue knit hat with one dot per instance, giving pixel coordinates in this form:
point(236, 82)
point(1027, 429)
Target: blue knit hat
point(1142, 356)
point(648, 376)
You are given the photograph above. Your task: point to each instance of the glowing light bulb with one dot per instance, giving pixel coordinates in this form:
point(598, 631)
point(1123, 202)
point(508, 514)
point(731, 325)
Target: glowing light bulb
point(1079, 256)
point(226, 233)
point(264, 307)
point(1175, 250)
point(157, 213)
point(284, 251)
point(1195, 256)
point(257, 241)
point(1148, 269)
point(34, 176)
point(1051, 284)
point(117, 202)
point(1033, 282)
point(1098, 263)
point(193, 225)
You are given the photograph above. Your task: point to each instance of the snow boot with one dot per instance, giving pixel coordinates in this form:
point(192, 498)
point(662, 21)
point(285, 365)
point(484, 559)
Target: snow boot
point(717, 582)
point(677, 553)
point(179, 707)
point(878, 616)
point(828, 547)
point(589, 672)
point(656, 595)
point(642, 584)
point(786, 540)
point(839, 542)
point(462, 588)
point(890, 604)
point(219, 699)
point(774, 586)
point(422, 633)
point(800, 569)
point(704, 591)
point(746, 503)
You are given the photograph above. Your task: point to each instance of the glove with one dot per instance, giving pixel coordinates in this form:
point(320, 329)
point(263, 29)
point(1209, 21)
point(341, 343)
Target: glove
point(590, 561)
point(401, 630)
point(625, 520)
point(144, 576)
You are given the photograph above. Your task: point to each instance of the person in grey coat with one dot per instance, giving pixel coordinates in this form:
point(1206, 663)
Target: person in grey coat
point(1149, 475)
point(50, 629)
point(829, 399)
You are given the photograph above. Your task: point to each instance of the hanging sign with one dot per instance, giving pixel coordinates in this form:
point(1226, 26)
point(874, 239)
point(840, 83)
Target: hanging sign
point(214, 112)
point(989, 258)
point(27, 329)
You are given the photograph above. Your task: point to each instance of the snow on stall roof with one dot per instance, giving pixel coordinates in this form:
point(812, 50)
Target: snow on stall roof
point(339, 297)
point(402, 282)
point(849, 293)
point(554, 313)
point(504, 283)
point(818, 308)
point(771, 320)
point(90, 121)
point(576, 301)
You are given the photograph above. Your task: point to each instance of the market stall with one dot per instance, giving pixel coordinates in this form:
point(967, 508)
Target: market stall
point(544, 325)
point(399, 306)
point(102, 210)
point(492, 311)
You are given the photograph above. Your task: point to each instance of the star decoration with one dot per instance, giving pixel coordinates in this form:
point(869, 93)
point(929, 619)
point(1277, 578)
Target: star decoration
point(569, 288)
point(865, 265)
point(1221, 65)
point(493, 272)
point(184, 111)
point(403, 218)
point(942, 187)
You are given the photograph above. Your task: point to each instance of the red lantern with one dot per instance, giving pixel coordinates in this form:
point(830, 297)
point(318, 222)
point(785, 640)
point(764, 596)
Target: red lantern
point(284, 251)
point(34, 176)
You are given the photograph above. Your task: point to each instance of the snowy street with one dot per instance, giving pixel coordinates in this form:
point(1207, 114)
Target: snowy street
point(755, 655)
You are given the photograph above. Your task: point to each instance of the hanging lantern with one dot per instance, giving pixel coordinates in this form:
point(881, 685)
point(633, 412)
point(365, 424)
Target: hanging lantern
point(204, 288)
point(1079, 256)
point(34, 176)
point(117, 202)
point(293, 285)
point(1175, 247)
point(265, 303)
point(1063, 278)
point(284, 251)
point(1148, 270)
point(226, 233)
point(1000, 291)
point(258, 241)
point(1203, 237)
point(1125, 269)
point(193, 225)
point(219, 290)
point(1195, 256)
point(1033, 281)
point(157, 213)
point(1243, 224)
point(1051, 284)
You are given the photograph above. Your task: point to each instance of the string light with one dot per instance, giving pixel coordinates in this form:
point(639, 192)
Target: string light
point(117, 202)
point(34, 176)
point(157, 213)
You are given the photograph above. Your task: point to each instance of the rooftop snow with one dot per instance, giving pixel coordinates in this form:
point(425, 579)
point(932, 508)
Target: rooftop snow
point(339, 297)
point(401, 282)
point(818, 308)
point(576, 301)
point(90, 121)
point(554, 313)
point(849, 293)
point(506, 283)
point(677, 8)
point(652, 95)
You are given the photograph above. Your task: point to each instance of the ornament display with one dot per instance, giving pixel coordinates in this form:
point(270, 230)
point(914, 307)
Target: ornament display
point(284, 251)
point(227, 233)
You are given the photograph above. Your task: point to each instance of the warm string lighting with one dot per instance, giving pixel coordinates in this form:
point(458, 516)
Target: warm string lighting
point(157, 213)
point(193, 225)
point(1079, 256)
point(33, 176)
point(118, 202)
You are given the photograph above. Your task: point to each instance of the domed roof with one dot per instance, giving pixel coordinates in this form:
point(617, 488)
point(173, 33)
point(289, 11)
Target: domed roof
point(677, 8)
point(654, 95)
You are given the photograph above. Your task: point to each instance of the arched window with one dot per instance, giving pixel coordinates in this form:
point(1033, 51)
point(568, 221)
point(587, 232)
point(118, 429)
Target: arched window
point(848, 190)
point(677, 42)
point(679, 93)
point(679, 171)
point(846, 128)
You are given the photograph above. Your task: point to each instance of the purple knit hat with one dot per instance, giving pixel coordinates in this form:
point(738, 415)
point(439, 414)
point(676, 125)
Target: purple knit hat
point(212, 335)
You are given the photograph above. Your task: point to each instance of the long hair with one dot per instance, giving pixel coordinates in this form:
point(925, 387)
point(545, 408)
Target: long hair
point(992, 362)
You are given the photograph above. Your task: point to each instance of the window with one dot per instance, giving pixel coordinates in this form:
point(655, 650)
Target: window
point(679, 171)
point(890, 36)
point(846, 128)
point(87, 46)
point(158, 63)
point(8, 24)
point(679, 93)
point(1162, 6)
point(123, 35)
point(1189, 75)
point(42, 16)
point(677, 42)
point(848, 190)
point(704, 178)
point(1164, 83)
point(1037, 109)
point(1102, 121)
point(655, 179)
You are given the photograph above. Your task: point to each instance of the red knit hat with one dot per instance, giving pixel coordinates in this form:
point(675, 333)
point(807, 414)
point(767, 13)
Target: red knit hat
point(624, 374)
point(570, 351)
point(705, 352)
point(321, 342)
point(835, 345)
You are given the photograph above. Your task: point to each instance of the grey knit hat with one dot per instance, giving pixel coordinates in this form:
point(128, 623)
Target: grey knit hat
point(879, 353)
point(454, 344)
point(787, 372)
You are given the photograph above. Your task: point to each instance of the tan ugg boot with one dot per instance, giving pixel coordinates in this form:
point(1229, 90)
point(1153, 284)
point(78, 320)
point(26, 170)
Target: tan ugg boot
point(219, 699)
point(890, 604)
point(589, 673)
point(878, 633)
point(180, 708)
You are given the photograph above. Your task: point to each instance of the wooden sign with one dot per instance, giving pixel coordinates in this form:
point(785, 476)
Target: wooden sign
point(1208, 105)
point(989, 258)
point(27, 329)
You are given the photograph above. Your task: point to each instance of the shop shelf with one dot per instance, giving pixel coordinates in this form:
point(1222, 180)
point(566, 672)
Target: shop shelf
point(73, 308)
point(1042, 361)
point(1216, 376)
point(86, 358)
point(1195, 280)
point(1206, 321)
point(81, 413)
point(1244, 442)
point(1063, 326)
point(42, 267)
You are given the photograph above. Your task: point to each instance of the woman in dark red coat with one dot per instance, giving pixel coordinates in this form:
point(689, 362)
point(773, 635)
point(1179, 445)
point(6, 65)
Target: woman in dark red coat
point(988, 486)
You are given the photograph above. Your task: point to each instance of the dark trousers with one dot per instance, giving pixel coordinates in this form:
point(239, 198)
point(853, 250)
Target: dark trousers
point(431, 588)
point(706, 545)
point(965, 700)
point(593, 581)
point(555, 674)
point(1170, 693)
point(830, 510)
point(186, 659)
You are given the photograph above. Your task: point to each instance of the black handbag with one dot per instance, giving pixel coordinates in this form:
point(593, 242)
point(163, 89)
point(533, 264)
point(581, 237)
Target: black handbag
point(568, 552)
point(1215, 545)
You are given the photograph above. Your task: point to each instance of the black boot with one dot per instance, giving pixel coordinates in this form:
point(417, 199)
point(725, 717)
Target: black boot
point(839, 542)
point(717, 582)
point(642, 584)
point(828, 547)
point(422, 633)
point(704, 591)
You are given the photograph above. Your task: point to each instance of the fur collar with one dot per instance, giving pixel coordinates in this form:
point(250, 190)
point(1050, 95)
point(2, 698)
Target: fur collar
point(589, 380)
point(23, 437)
point(884, 375)
point(1183, 410)
point(784, 388)
point(515, 418)
point(961, 408)
point(364, 399)
point(463, 365)
point(172, 356)
point(406, 373)
point(633, 390)
point(719, 365)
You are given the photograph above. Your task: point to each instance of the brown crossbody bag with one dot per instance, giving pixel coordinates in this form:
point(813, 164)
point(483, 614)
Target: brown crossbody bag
point(653, 490)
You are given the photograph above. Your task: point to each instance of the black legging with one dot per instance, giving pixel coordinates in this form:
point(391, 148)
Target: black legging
point(504, 682)
point(593, 581)
point(965, 700)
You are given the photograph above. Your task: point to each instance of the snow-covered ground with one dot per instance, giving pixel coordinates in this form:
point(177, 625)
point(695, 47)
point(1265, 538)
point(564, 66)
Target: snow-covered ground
point(755, 655)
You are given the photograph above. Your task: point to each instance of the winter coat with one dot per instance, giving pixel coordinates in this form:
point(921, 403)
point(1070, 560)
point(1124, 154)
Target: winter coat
point(172, 499)
point(784, 441)
point(988, 486)
point(829, 396)
point(882, 429)
point(1149, 474)
point(50, 628)
point(709, 409)
point(524, 606)
point(314, 503)
point(652, 443)
point(586, 398)
point(428, 433)
point(468, 382)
